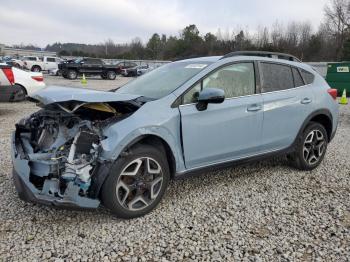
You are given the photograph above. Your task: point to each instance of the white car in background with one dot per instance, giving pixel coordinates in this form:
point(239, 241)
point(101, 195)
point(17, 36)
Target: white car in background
point(22, 83)
point(36, 64)
point(30, 82)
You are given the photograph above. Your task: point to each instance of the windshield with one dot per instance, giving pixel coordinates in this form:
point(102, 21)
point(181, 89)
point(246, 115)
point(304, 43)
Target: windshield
point(163, 80)
point(78, 60)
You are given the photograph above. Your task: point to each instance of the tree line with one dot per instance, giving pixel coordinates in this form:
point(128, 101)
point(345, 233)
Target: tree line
point(330, 42)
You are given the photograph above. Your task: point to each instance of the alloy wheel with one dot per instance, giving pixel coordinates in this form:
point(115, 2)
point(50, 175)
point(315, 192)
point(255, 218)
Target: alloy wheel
point(139, 183)
point(314, 147)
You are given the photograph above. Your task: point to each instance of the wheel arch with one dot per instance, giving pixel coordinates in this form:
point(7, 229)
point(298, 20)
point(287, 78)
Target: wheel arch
point(34, 66)
point(23, 87)
point(323, 117)
point(156, 141)
point(150, 139)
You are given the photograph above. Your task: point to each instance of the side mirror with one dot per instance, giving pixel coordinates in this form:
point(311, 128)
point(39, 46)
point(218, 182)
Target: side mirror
point(210, 96)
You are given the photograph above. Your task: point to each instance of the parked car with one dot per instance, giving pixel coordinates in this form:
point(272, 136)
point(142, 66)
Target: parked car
point(121, 148)
point(124, 65)
point(25, 83)
point(29, 82)
point(88, 66)
point(36, 64)
point(19, 63)
point(8, 90)
point(136, 71)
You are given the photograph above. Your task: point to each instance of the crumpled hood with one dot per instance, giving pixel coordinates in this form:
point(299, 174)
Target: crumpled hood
point(56, 94)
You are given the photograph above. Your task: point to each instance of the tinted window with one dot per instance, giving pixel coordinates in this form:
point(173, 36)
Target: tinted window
point(50, 59)
point(93, 61)
point(276, 77)
point(130, 64)
point(308, 77)
point(298, 81)
point(236, 80)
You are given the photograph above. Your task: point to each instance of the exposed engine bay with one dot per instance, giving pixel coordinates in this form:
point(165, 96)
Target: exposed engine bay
point(62, 144)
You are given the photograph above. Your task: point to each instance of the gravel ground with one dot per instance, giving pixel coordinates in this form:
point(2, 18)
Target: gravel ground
point(265, 211)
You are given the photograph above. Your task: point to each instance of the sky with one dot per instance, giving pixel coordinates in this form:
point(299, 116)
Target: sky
point(43, 22)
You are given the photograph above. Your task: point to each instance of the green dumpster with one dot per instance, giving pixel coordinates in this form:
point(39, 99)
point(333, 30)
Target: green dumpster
point(338, 77)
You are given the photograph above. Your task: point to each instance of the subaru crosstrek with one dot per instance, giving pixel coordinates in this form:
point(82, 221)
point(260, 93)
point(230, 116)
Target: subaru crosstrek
point(120, 148)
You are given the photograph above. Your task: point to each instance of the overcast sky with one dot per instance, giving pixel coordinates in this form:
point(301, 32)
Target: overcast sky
point(42, 22)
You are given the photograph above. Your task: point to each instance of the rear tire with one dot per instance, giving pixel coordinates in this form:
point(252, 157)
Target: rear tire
point(20, 95)
point(310, 148)
point(111, 75)
point(137, 182)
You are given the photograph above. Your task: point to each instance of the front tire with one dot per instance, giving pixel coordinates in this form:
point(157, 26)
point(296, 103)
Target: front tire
point(137, 182)
point(72, 74)
point(311, 147)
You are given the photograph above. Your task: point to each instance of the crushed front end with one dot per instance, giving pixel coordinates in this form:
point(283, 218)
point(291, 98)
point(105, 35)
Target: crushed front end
point(56, 153)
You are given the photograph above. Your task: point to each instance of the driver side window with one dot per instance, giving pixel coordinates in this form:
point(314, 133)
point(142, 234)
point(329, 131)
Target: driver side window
point(236, 80)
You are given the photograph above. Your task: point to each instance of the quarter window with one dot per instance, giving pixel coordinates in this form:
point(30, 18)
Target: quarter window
point(298, 81)
point(276, 77)
point(192, 95)
point(308, 77)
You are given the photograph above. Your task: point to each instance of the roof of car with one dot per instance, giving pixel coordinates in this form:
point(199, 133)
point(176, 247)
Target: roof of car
point(212, 59)
point(251, 56)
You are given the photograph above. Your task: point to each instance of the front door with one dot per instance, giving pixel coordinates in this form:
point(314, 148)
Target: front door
point(227, 131)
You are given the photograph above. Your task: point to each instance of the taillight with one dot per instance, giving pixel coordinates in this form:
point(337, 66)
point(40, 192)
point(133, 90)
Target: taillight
point(333, 93)
point(38, 78)
point(9, 74)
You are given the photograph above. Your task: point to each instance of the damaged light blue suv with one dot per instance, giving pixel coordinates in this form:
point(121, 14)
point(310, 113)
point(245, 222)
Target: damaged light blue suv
point(120, 148)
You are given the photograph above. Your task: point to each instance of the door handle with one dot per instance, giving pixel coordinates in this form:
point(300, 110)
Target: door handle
point(254, 108)
point(306, 101)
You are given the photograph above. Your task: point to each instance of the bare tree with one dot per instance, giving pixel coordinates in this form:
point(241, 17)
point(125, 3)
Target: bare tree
point(337, 22)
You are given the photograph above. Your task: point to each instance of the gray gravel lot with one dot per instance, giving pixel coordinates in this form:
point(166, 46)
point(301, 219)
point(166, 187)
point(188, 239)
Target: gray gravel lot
point(265, 211)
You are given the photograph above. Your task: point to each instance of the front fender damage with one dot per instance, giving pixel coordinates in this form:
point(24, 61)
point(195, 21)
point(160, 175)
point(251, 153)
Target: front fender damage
point(56, 152)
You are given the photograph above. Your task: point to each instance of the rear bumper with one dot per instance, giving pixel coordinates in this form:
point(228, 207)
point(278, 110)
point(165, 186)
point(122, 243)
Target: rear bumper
point(11, 93)
point(30, 193)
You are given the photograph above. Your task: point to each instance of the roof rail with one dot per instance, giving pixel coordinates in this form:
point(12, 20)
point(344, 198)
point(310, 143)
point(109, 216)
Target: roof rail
point(263, 54)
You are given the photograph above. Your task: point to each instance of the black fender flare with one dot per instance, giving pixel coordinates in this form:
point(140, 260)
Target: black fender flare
point(323, 111)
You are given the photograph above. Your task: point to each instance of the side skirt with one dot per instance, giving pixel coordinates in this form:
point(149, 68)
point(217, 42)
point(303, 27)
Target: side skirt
point(234, 163)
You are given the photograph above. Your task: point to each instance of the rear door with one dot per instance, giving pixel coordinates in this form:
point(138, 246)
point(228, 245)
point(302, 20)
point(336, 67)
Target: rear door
point(288, 101)
point(92, 66)
point(50, 63)
point(226, 131)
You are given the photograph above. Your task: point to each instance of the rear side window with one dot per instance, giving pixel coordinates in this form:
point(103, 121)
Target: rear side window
point(50, 59)
point(298, 81)
point(276, 77)
point(308, 77)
